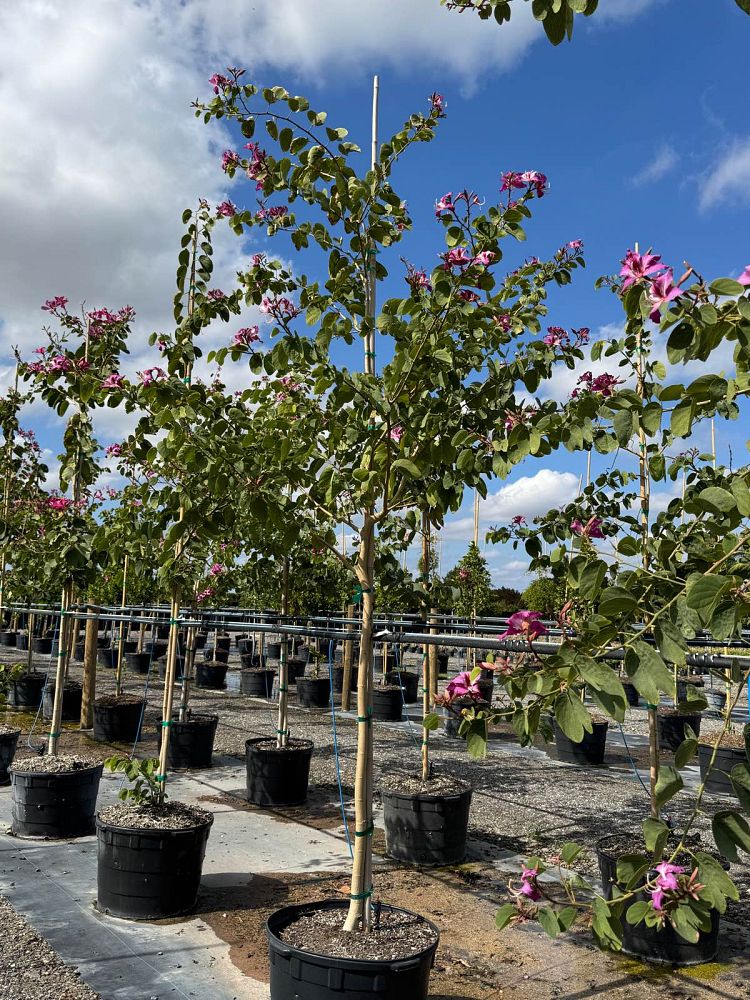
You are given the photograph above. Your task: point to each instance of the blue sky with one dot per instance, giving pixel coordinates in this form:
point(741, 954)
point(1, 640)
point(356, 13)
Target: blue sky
point(640, 124)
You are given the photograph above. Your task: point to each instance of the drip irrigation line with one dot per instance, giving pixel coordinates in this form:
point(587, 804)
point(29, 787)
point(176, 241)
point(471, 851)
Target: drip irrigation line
point(336, 753)
point(636, 772)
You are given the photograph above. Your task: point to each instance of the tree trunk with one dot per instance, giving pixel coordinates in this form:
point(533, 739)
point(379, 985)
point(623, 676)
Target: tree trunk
point(346, 686)
point(168, 701)
point(361, 885)
point(121, 640)
point(426, 687)
point(89, 670)
point(55, 729)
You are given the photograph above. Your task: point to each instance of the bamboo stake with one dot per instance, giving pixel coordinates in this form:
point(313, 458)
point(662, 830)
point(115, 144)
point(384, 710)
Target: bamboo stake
point(426, 688)
point(346, 686)
point(282, 727)
point(121, 642)
point(6, 510)
point(89, 669)
point(361, 886)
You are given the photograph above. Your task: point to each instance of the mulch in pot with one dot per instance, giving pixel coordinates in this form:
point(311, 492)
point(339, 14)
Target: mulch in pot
point(112, 700)
point(412, 784)
point(171, 815)
point(61, 764)
point(399, 936)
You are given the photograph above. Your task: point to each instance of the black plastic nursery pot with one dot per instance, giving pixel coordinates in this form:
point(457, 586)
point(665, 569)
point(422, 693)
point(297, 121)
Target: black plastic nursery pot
point(407, 680)
point(200, 640)
point(26, 691)
point(129, 645)
point(304, 975)
point(384, 664)
point(295, 669)
point(313, 692)
point(387, 704)
point(256, 683)
point(191, 743)
point(671, 728)
point(246, 646)
point(156, 649)
point(55, 805)
point(277, 777)
point(117, 720)
point(41, 644)
point(22, 640)
point(273, 650)
point(717, 700)
point(682, 687)
point(486, 688)
point(103, 640)
point(138, 663)
point(589, 751)
point(222, 642)
point(426, 830)
point(8, 638)
point(215, 654)
point(211, 675)
point(8, 744)
point(718, 780)
point(78, 651)
point(252, 661)
point(631, 693)
point(452, 720)
point(149, 874)
point(71, 701)
point(660, 946)
point(337, 673)
point(108, 657)
point(442, 664)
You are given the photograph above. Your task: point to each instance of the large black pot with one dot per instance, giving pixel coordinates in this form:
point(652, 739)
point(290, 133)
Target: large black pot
point(129, 645)
point(391, 663)
point(452, 722)
point(672, 728)
point(631, 693)
point(211, 675)
point(8, 638)
point(313, 692)
point(442, 664)
point(257, 683)
point(338, 654)
point(156, 649)
point(149, 874)
point(139, 663)
point(252, 661)
point(337, 673)
point(295, 668)
point(200, 640)
point(8, 743)
point(22, 640)
point(191, 743)
point(303, 975)
point(718, 778)
point(408, 680)
point(118, 722)
point(277, 777)
point(661, 946)
point(222, 642)
point(108, 657)
point(426, 830)
point(26, 691)
point(71, 701)
point(387, 704)
point(55, 805)
point(589, 751)
point(216, 655)
point(41, 644)
point(273, 650)
point(245, 646)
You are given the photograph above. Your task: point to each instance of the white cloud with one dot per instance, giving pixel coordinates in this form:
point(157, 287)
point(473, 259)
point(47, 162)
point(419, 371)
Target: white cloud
point(664, 161)
point(728, 179)
point(622, 10)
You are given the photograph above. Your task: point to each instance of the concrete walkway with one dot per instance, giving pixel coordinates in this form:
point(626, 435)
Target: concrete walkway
point(53, 884)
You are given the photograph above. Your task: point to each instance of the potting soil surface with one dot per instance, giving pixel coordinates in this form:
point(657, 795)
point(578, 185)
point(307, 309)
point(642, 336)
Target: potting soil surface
point(525, 803)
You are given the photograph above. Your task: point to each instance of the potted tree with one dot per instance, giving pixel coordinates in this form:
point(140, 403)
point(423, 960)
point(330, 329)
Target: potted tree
point(358, 447)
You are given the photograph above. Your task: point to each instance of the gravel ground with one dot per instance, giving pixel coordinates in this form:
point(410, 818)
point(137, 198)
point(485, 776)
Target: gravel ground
point(30, 969)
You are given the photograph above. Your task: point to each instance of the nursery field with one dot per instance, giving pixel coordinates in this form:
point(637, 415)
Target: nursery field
point(525, 802)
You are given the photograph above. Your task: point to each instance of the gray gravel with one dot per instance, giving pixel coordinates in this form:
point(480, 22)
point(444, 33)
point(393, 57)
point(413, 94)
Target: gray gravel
point(8, 730)
point(30, 969)
point(60, 764)
point(172, 815)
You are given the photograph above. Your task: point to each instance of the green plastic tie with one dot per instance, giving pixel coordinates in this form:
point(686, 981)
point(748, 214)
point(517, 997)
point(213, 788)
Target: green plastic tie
point(361, 895)
point(283, 687)
point(365, 833)
point(365, 718)
point(160, 777)
point(651, 707)
point(54, 735)
point(282, 732)
point(360, 591)
point(165, 725)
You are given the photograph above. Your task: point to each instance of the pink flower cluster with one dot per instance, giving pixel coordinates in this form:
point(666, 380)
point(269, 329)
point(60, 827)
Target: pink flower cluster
point(417, 280)
point(281, 308)
point(59, 503)
point(558, 337)
point(59, 364)
point(113, 450)
point(532, 180)
point(58, 303)
point(462, 686)
point(216, 570)
point(229, 160)
point(591, 529)
point(648, 267)
point(396, 433)
point(744, 278)
point(526, 624)
point(515, 417)
point(290, 385)
point(529, 887)
point(150, 376)
point(448, 204)
point(246, 336)
point(256, 168)
point(205, 594)
point(275, 212)
point(602, 384)
point(216, 295)
point(518, 520)
point(219, 82)
point(438, 103)
point(113, 381)
point(457, 257)
point(101, 319)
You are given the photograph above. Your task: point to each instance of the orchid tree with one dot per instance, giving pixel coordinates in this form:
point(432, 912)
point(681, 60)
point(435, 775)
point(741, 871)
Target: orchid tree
point(71, 373)
point(652, 581)
point(445, 411)
point(557, 16)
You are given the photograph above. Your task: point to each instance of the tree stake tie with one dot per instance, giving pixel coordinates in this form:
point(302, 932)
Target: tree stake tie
point(366, 718)
point(166, 724)
point(368, 832)
point(361, 895)
point(360, 591)
point(160, 777)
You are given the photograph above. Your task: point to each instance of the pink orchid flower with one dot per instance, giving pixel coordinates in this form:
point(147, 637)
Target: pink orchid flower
point(744, 278)
point(113, 381)
point(591, 529)
point(526, 624)
point(462, 686)
point(636, 267)
point(663, 291)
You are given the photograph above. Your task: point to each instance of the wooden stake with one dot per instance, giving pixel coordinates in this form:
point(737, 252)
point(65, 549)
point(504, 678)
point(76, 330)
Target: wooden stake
point(348, 654)
point(89, 669)
point(426, 687)
point(121, 642)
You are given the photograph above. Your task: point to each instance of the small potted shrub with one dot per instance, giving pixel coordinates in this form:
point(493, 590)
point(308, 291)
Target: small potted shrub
point(150, 850)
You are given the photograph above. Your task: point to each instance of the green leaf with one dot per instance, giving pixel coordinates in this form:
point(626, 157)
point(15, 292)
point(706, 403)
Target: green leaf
point(571, 716)
point(740, 778)
point(504, 915)
point(685, 752)
point(431, 721)
point(731, 831)
point(717, 497)
point(683, 921)
point(671, 642)
point(599, 675)
point(655, 835)
point(648, 671)
point(566, 917)
point(637, 911)
point(727, 286)
point(548, 920)
point(682, 418)
point(718, 887)
point(605, 925)
point(669, 784)
point(407, 466)
point(569, 852)
point(743, 5)
point(741, 494)
point(703, 593)
point(616, 601)
point(592, 579)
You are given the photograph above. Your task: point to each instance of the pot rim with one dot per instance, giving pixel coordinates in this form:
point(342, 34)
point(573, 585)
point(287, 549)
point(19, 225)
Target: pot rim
point(157, 831)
